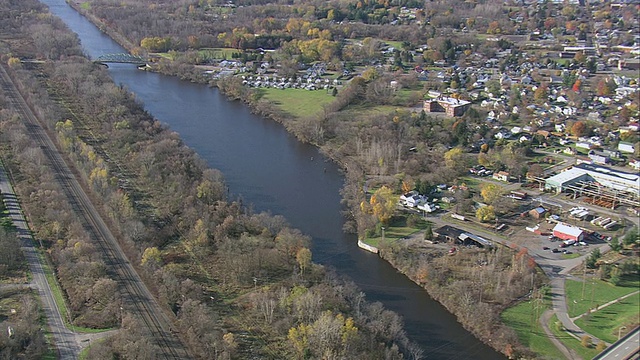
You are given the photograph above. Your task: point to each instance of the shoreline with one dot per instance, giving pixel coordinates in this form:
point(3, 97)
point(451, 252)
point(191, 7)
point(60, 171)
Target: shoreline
point(273, 115)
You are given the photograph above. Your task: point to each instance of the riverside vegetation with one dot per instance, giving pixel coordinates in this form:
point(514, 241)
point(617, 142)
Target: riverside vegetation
point(367, 128)
point(172, 218)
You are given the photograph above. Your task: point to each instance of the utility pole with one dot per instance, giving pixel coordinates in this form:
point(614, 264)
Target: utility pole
point(584, 280)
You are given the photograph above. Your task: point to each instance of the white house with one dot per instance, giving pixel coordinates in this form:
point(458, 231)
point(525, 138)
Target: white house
point(626, 147)
point(428, 207)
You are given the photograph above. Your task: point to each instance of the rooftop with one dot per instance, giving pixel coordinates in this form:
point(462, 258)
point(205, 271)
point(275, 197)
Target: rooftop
point(452, 101)
point(567, 229)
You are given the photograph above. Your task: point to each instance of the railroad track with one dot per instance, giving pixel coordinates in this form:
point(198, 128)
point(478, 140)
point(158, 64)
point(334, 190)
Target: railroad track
point(136, 298)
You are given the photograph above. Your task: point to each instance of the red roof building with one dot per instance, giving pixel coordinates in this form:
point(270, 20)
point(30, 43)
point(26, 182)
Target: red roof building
point(568, 232)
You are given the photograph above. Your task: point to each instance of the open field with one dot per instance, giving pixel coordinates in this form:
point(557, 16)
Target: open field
point(398, 229)
point(593, 294)
point(521, 318)
point(297, 102)
point(606, 323)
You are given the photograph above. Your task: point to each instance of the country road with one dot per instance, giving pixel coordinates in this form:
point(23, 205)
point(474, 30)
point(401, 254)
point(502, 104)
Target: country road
point(66, 342)
point(136, 298)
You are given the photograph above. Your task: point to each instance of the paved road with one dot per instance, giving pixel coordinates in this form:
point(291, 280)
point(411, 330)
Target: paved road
point(627, 348)
point(544, 322)
point(66, 341)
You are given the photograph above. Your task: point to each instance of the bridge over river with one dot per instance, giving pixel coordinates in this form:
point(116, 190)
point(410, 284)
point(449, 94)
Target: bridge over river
point(123, 58)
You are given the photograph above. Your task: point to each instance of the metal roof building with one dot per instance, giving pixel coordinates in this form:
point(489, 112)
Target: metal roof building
point(568, 232)
point(596, 180)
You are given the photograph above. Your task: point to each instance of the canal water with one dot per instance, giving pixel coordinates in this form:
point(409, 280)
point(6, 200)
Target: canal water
point(268, 168)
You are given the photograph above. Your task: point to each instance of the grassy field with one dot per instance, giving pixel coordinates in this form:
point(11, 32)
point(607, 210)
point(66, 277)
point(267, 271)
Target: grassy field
point(571, 342)
point(596, 292)
point(605, 324)
point(529, 330)
point(396, 230)
point(371, 110)
point(297, 102)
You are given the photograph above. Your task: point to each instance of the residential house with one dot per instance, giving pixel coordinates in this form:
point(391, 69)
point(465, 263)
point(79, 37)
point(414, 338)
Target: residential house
point(501, 176)
point(612, 153)
point(598, 157)
point(626, 147)
point(583, 145)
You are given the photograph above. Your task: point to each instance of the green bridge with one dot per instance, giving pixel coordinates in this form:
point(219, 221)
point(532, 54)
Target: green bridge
point(120, 59)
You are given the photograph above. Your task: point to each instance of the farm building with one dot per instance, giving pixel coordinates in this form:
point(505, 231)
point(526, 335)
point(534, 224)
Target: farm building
point(448, 233)
point(538, 213)
point(568, 232)
point(475, 240)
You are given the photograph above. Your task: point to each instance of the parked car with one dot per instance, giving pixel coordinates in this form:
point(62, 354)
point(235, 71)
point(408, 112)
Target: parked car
point(555, 251)
point(545, 248)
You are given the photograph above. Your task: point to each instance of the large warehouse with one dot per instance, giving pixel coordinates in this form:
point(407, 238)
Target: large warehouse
point(568, 232)
point(595, 180)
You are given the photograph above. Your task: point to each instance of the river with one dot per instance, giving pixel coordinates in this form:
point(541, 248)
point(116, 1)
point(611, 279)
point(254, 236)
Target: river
point(268, 168)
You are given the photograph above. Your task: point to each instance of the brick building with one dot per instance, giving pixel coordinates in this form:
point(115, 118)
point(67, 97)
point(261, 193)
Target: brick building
point(448, 105)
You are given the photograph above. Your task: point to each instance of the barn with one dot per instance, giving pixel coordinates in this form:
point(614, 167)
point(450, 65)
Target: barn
point(568, 232)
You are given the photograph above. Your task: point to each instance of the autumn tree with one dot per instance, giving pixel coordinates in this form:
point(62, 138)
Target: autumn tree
point(455, 159)
point(151, 257)
point(579, 128)
point(383, 204)
point(290, 241)
point(303, 257)
point(535, 170)
point(605, 87)
point(407, 185)
point(486, 213)
point(541, 94)
point(491, 192)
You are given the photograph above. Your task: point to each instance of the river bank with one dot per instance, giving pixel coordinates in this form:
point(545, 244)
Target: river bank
point(248, 97)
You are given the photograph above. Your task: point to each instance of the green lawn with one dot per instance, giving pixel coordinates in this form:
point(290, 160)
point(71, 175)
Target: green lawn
point(596, 292)
point(571, 342)
point(363, 110)
point(530, 332)
point(604, 324)
point(396, 230)
point(297, 102)
point(396, 44)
